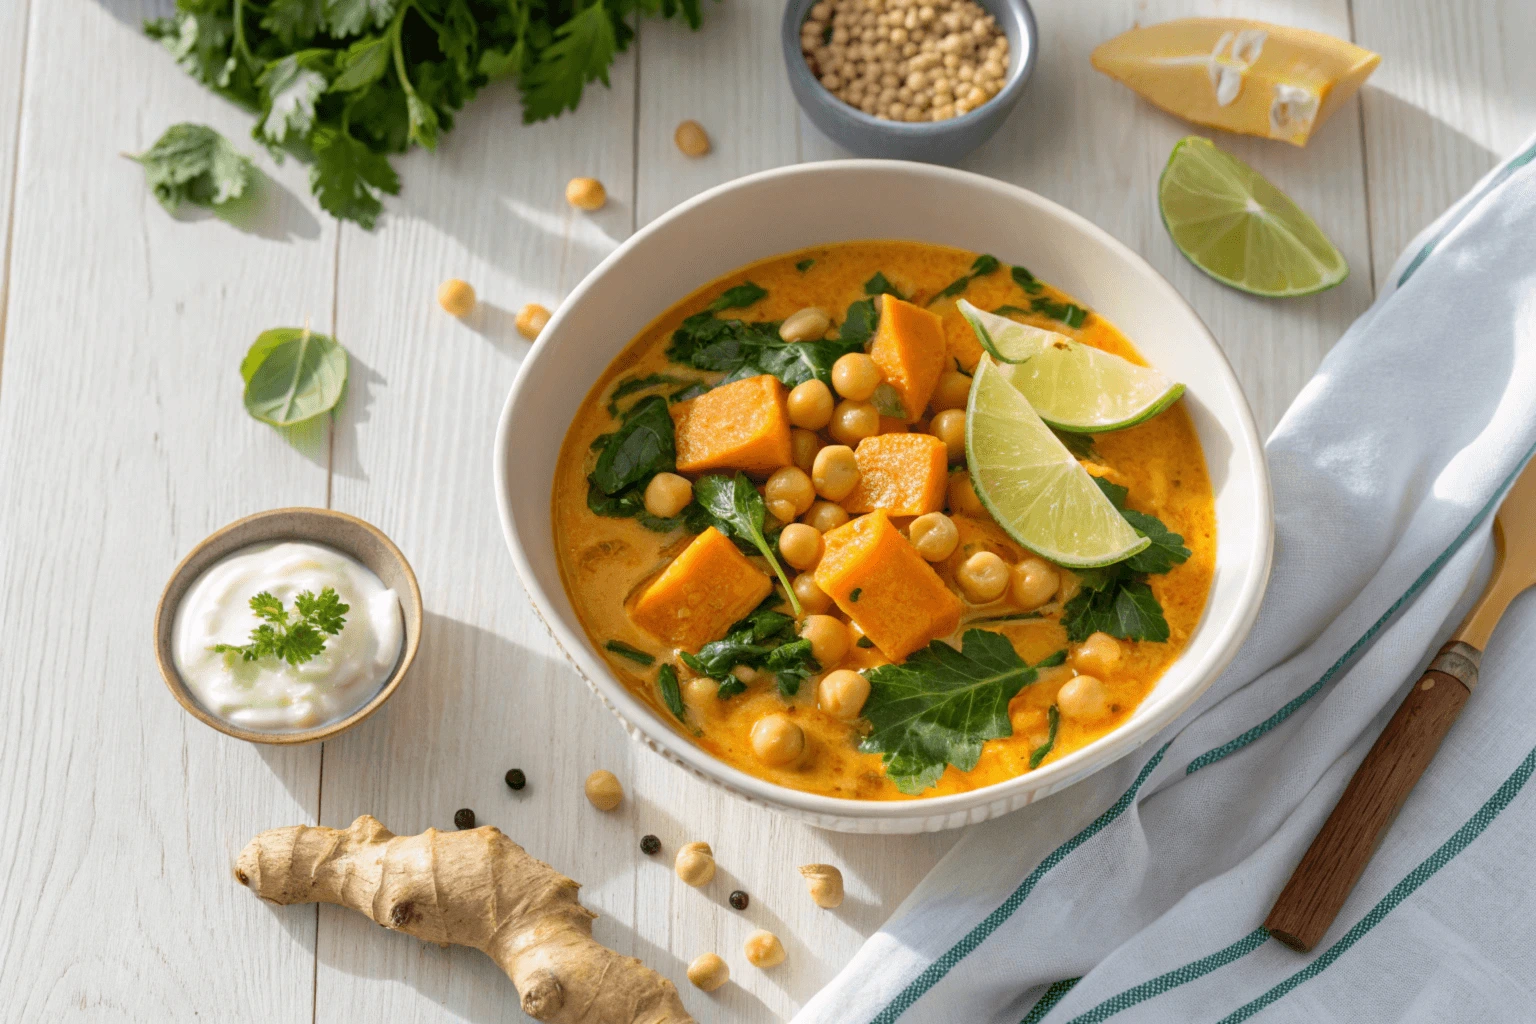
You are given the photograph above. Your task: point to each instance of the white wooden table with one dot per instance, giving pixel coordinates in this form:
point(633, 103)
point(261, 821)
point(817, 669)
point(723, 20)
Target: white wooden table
point(123, 442)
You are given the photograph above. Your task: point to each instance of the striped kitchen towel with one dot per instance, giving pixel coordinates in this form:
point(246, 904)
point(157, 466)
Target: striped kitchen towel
point(1139, 895)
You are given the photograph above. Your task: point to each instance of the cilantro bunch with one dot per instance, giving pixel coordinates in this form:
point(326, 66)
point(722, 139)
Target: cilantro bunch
point(294, 640)
point(342, 83)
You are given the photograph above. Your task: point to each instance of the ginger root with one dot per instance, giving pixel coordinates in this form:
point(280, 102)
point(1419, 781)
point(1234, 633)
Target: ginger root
point(472, 888)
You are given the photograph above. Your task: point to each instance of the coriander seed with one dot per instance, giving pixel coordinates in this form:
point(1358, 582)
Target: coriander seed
point(463, 818)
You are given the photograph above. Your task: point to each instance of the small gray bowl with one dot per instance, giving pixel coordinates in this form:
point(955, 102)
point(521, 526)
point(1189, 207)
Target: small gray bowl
point(938, 142)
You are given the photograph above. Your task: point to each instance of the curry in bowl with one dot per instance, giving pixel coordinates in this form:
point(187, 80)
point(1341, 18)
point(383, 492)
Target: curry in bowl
point(765, 519)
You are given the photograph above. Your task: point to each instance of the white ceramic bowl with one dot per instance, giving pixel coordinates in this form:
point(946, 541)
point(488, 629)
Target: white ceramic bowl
point(794, 207)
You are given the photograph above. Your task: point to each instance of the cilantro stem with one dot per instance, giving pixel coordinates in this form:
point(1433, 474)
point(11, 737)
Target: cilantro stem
point(240, 45)
point(395, 27)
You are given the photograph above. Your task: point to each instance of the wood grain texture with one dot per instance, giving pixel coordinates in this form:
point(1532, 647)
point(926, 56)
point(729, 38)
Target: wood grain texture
point(125, 443)
point(1333, 863)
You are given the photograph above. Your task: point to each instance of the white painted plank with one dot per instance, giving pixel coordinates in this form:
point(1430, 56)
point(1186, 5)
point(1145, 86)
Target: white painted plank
point(13, 49)
point(489, 690)
point(1455, 94)
point(126, 443)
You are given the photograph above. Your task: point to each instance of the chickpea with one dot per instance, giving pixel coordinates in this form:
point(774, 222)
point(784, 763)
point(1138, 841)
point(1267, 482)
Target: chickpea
point(777, 741)
point(825, 516)
point(934, 536)
point(763, 949)
point(835, 472)
point(1030, 723)
point(842, 694)
point(962, 496)
point(949, 427)
point(828, 637)
point(952, 392)
point(812, 598)
point(699, 690)
point(1099, 655)
point(456, 297)
point(853, 421)
point(810, 405)
point(667, 494)
point(586, 193)
point(792, 485)
point(1035, 581)
point(808, 324)
point(1083, 698)
point(800, 545)
point(531, 320)
point(695, 864)
point(855, 376)
point(803, 446)
point(984, 576)
point(708, 972)
point(691, 139)
point(825, 882)
point(604, 790)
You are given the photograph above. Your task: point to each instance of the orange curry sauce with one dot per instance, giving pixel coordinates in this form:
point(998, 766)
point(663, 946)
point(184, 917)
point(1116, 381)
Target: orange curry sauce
point(605, 561)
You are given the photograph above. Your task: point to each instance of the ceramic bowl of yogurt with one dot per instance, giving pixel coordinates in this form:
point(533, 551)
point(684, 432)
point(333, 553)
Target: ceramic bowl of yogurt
point(288, 626)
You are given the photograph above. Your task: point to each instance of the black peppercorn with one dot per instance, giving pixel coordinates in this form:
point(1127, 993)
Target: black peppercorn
point(739, 900)
point(649, 845)
point(463, 818)
point(516, 779)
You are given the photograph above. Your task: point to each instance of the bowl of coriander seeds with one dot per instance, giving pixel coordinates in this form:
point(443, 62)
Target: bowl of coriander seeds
point(908, 79)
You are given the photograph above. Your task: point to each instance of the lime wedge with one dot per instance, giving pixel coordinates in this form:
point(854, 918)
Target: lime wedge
point(1238, 228)
point(1074, 387)
point(1033, 486)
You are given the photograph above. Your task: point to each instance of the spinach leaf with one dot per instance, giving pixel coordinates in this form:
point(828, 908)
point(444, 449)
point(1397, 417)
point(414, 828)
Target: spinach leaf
point(742, 349)
point(739, 510)
point(630, 504)
point(764, 640)
point(1068, 313)
point(859, 324)
point(804, 265)
point(940, 705)
point(634, 385)
point(878, 285)
point(983, 265)
point(642, 447)
point(1080, 445)
point(739, 297)
point(671, 696)
point(1053, 717)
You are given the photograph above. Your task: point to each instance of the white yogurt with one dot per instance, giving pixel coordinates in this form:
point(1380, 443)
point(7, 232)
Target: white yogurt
point(269, 694)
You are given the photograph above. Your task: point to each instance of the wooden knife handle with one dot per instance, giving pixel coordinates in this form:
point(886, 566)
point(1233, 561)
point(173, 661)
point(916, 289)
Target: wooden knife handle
point(1337, 857)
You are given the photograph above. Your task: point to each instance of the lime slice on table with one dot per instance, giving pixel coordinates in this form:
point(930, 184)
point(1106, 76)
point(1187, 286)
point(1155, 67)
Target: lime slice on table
point(1033, 486)
point(1074, 387)
point(1238, 228)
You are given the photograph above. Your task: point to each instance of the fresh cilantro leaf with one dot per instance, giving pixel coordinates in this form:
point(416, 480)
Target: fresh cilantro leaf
point(878, 285)
point(292, 641)
point(982, 266)
point(349, 17)
point(347, 176)
point(940, 705)
point(1027, 281)
point(629, 653)
point(736, 505)
point(294, 21)
point(671, 695)
point(582, 49)
point(804, 265)
point(1166, 550)
point(739, 297)
point(1053, 718)
point(1113, 491)
point(203, 44)
point(290, 88)
point(642, 447)
point(1125, 607)
point(192, 163)
point(362, 64)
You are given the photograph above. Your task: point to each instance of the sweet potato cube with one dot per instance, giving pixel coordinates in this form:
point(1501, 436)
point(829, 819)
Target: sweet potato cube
point(705, 589)
point(742, 425)
point(880, 582)
point(910, 349)
point(904, 474)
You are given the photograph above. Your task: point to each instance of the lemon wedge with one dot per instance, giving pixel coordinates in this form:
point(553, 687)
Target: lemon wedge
point(1242, 76)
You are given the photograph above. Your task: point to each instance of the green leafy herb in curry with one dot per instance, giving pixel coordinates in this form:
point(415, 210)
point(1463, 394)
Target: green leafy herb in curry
point(766, 641)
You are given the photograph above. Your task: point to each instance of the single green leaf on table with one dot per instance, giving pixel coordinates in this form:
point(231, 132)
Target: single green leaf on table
point(292, 375)
point(738, 509)
point(192, 163)
point(671, 695)
point(982, 266)
point(294, 641)
point(629, 653)
point(940, 705)
point(1053, 719)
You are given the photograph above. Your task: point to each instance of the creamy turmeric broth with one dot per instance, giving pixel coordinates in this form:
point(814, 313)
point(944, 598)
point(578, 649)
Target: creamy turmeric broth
point(616, 567)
